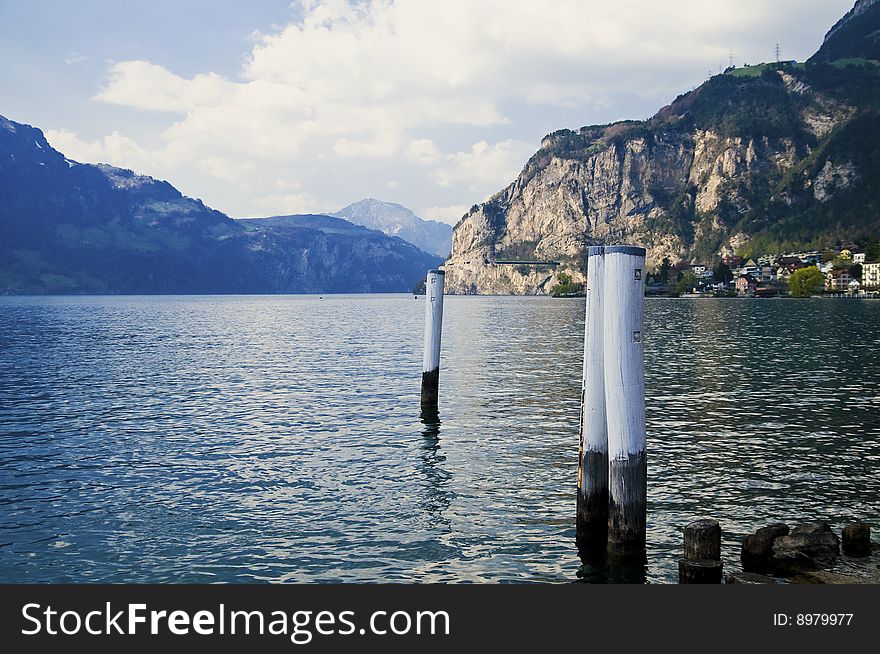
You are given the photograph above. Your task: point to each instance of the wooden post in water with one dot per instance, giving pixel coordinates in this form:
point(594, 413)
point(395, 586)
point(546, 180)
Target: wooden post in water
point(433, 328)
point(623, 311)
point(592, 499)
point(702, 553)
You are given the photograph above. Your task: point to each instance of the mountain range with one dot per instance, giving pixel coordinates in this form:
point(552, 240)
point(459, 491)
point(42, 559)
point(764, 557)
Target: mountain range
point(396, 220)
point(68, 227)
point(756, 160)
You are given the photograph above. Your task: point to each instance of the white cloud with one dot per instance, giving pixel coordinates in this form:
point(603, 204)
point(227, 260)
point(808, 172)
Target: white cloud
point(351, 95)
point(422, 150)
point(451, 214)
point(114, 149)
point(143, 85)
point(484, 165)
point(75, 58)
point(279, 204)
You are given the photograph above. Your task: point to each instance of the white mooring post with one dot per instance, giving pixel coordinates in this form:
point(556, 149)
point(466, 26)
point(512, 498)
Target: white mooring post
point(592, 500)
point(623, 307)
point(433, 328)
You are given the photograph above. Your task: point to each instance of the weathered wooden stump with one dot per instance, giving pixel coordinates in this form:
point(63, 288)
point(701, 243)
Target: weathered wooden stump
point(702, 541)
point(857, 539)
point(702, 553)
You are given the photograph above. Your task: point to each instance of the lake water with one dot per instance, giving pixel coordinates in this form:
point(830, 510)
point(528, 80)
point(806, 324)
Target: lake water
point(245, 439)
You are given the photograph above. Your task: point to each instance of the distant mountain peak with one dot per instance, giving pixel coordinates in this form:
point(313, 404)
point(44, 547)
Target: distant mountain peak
point(397, 220)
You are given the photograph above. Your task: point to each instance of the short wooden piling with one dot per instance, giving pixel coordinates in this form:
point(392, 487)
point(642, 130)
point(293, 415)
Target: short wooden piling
point(623, 314)
point(856, 539)
point(592, 499)
point(433, 329)
point(702, 553)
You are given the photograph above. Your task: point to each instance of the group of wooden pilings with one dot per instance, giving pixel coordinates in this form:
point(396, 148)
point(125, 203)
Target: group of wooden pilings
point(612, 466)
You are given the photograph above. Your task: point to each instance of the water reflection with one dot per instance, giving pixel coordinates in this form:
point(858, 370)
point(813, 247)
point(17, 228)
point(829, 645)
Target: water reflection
point(599, 567)
point(437, 478)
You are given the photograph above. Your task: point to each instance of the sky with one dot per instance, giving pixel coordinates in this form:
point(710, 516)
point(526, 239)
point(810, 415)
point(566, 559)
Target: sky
point(271, 107)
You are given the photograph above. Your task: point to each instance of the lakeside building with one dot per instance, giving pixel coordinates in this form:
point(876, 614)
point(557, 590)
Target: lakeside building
point(787, 267)
point(750, 268)
point(859, 257)
point(746, 285)
point(838, 280)
point(871, 276)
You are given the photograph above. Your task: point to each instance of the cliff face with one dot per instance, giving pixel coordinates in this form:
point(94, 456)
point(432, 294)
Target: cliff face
point(758, 157)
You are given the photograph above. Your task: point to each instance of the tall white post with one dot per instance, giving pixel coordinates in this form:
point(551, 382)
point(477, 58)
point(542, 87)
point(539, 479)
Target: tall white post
point(433, 328)
point(592, 500)
point(625, 398)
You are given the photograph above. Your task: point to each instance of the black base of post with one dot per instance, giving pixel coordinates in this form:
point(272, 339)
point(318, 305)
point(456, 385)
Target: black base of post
point(430, 389)
point(699, 572)
point(627, 505)
point(592, 503)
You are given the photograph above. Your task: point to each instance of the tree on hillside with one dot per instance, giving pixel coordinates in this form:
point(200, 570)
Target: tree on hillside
point(688, 282)
point(872, 250)
point(722, 273)
point(663, 271)
point(855, 271)
point(565, 286)
point(806, 281)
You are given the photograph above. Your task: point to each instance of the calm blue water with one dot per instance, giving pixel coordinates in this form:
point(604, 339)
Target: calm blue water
point(203, 439)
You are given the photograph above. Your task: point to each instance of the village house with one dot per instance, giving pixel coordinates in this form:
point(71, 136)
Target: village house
point(765, 275)
point(871, 276)
point(750, 268)
point(787, 267)
point(859, 257)
point(838, 280)
point(809, 258)
point(746, 285)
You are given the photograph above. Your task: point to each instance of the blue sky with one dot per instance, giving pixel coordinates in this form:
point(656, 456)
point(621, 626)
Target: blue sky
point(270, 107)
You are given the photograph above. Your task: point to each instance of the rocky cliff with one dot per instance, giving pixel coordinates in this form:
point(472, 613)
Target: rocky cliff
point(757, 158)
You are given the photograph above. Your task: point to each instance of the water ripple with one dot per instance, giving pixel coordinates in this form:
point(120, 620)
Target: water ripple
point(241, 439)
